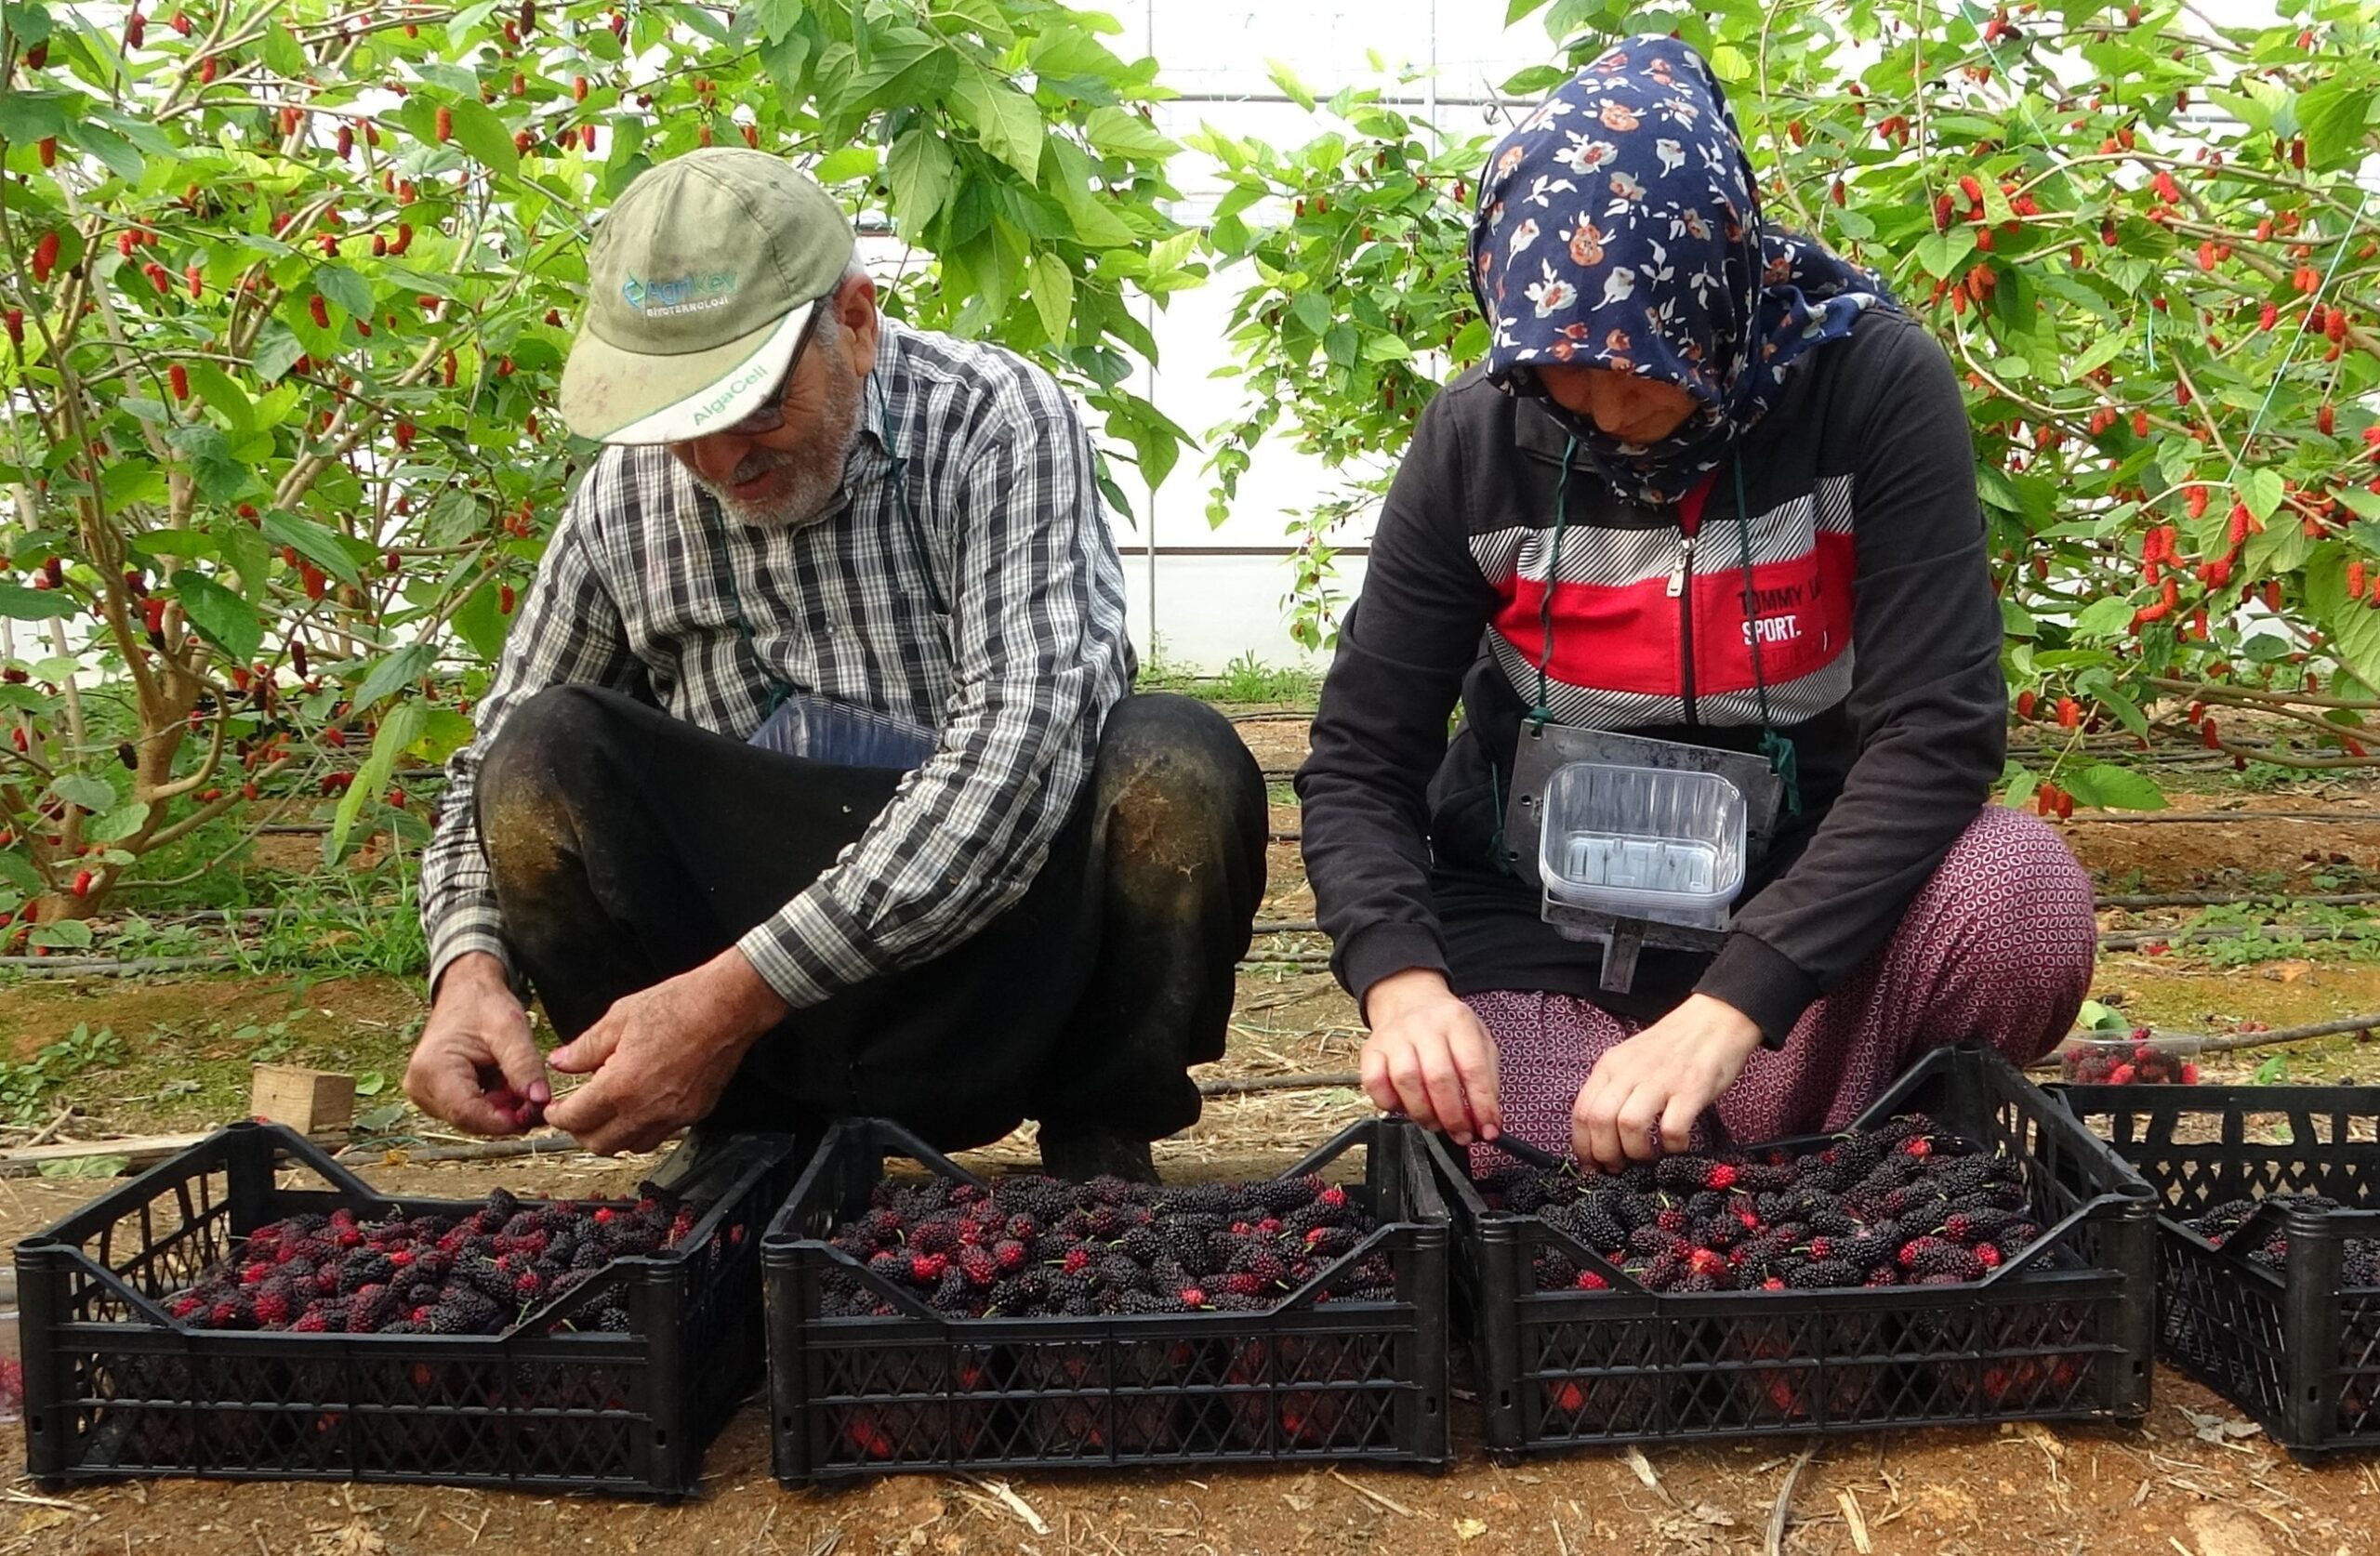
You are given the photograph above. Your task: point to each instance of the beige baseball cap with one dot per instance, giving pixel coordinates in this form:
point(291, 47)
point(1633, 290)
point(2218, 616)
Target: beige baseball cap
point(699, 283)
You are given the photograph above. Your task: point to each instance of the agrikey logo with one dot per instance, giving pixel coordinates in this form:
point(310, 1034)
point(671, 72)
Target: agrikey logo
point(688, 294)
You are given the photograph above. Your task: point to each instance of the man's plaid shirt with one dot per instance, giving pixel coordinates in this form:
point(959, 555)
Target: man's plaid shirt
point(637, 592)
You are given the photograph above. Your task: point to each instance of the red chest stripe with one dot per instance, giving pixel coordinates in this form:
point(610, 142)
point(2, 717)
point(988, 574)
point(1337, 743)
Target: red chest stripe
point(1626, 638)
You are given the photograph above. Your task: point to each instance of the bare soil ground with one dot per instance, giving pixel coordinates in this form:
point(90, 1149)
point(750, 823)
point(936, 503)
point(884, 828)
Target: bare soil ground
point(2180, 1481)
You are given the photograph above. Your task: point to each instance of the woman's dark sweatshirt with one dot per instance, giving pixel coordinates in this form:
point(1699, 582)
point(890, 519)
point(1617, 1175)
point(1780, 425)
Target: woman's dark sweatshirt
point(1880, 653)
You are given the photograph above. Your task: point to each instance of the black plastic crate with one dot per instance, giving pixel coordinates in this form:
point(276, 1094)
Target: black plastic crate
point(115, 1387)
point(1310, 1378)
point(2296, 1348)
point(2060, 1333)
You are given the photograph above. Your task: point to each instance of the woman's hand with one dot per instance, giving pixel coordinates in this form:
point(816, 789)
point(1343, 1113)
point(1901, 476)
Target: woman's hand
point(1429, 1058)
point(1644, 1095)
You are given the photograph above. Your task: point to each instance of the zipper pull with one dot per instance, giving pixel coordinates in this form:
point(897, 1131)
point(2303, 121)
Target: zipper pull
point(1685, 565)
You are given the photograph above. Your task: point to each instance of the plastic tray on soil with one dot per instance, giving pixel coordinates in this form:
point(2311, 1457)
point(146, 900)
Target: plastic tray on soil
point(2060, 1332)
point(1310, 1378)
point(115, 1387)
point(2296, 1349)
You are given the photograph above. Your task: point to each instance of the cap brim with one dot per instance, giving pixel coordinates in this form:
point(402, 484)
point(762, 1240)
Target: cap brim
point(615, 396)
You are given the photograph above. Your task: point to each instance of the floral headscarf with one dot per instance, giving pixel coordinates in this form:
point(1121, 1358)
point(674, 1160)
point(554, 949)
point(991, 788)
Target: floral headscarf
point(1618, 227)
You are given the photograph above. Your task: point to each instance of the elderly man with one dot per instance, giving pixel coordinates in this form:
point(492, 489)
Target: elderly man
point(811, 781)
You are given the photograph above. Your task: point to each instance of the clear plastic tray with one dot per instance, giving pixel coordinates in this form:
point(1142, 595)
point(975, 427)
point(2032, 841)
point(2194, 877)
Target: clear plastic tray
point(1662, 844)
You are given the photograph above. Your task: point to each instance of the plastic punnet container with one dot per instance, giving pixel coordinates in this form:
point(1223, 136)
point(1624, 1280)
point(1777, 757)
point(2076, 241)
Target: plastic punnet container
point(1661, 844)
point(2129, 1059)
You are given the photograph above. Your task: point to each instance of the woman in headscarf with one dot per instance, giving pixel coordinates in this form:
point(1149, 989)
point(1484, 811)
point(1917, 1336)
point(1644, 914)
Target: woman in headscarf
point(1711, 486)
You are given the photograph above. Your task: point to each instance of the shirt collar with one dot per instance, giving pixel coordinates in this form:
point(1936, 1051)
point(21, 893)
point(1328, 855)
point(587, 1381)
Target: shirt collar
point(884, 380)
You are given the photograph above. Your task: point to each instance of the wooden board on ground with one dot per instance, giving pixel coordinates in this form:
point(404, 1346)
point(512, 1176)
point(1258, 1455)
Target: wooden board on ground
point(310, 1101)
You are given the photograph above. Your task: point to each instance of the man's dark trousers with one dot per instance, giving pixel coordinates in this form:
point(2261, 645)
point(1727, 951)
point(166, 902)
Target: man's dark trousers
point(628, 846)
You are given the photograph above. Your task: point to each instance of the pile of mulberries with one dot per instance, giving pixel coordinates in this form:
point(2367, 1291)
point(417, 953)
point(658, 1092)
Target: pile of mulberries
point(2137, 1061)
point(2360, 1261)
point(1031, 1245)
point(1905, 1204)
point(475, 1273)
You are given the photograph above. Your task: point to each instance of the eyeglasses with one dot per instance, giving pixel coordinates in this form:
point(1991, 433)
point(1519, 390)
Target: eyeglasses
point(771, 415)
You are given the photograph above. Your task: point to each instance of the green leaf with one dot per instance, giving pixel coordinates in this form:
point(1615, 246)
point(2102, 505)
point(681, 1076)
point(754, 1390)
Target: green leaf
point(313, 542)
point(1053, 295)
point(480, 622)
point(1006, 122)
point(2106, 617)
point(2101, 1018)
point(2333, 113)
point(28, 24)
point(20, 603)
point(2108, 788)
point(397, 731)
point(277, 350)
point(26, 117)
point(480, 132)
point(1535, 81)
point(225, 619)
point(220, 476)
point(79, 1167)
point(2262, 491)
point(784, 62)
point(2354, 629)
point(394, 673)
point(852, 162)
point(1942, 254)
point(2103, 351)
point(120, 157)
point(1122, 134)
point(344, 290)
point(219, 392)
point(18, 872)
point(2276, 549)
point(95, 795)
point(1287, 80)
point(921, 171)
point(118, 823)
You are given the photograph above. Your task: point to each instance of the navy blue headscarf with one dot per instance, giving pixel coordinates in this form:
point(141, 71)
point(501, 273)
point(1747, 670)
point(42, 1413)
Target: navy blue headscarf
point(1618, 227)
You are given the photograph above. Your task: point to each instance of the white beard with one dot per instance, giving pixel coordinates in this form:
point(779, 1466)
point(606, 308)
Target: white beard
point(818, 469)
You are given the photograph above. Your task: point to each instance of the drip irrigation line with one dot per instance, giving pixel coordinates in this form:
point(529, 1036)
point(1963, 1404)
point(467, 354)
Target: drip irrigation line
point(110, 966)
point(2193, 818)
point(2207, 934)
point(2236, 899)
point(2237, 1042)
point(1242, 1086)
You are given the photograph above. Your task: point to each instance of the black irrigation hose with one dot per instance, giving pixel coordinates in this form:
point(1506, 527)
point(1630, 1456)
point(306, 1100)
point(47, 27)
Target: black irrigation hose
point(2236, 899)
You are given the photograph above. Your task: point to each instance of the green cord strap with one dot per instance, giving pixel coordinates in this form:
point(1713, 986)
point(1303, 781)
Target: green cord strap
point(1783, 759)
point(1542, 714)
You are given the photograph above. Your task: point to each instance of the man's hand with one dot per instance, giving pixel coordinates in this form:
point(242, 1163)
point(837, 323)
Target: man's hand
point(661, 1057)
point(1429, 1058)
point(476, 1066)
point(1644, 1095)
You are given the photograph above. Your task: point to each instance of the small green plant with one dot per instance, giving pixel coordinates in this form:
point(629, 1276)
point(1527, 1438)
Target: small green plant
point(27, 1085)
point(1249, 680)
